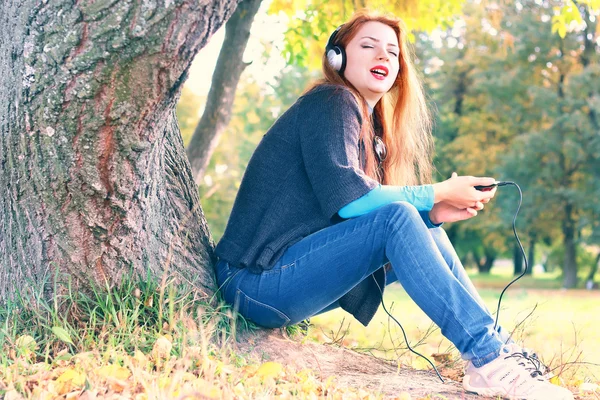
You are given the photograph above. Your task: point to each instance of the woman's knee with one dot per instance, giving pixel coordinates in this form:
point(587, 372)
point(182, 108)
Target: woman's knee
point(401, 216)
point(402, 210)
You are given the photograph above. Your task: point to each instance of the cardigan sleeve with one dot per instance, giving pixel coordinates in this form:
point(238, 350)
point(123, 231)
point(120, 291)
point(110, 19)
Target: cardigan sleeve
point(329, 125)
point(421, 197)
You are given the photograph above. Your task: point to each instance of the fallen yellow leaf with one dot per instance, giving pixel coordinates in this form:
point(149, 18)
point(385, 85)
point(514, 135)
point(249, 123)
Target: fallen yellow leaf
point(140, 359)
point(114, 371)
point(556, 380)
point(26, 342)
point(41, 394)
point(269, 369)
point(72, 375)
point(211, 391)
point(69, 380)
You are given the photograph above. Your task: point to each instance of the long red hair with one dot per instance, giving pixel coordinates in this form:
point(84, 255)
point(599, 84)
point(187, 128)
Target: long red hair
point(402, 112)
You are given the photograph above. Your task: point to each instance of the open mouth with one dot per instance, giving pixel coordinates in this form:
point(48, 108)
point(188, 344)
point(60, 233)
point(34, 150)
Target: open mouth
point(379, 72)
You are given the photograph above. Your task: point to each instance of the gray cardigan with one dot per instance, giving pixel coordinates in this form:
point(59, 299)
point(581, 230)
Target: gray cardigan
point(305, 168)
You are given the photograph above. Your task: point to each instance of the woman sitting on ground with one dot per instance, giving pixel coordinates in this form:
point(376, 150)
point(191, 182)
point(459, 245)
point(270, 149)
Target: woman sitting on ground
point(336, 203)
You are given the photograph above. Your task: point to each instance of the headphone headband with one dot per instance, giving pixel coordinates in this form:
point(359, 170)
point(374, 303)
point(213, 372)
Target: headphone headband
point(332, 38)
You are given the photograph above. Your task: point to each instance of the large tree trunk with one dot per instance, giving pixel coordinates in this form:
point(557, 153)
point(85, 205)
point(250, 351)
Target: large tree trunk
point(228, 70)
point(94, 179)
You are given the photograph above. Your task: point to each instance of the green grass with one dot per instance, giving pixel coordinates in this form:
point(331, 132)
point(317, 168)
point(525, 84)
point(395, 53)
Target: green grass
point(140, 340)
point(139, 319)
point(499, 278)
point(156, 341)
point(131, 316)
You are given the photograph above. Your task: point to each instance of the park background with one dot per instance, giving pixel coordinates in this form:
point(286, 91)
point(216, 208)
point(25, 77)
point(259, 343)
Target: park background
point(515, 90)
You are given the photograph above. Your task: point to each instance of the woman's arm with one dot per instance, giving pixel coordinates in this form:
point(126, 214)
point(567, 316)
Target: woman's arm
point(422, 197)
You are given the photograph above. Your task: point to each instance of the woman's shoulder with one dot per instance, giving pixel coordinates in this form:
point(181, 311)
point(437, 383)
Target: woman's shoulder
point(328, 95)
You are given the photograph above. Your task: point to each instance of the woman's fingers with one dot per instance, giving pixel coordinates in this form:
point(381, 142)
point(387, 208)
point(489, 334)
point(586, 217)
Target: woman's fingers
point(462, 193)
point(483, 181)
point(487, 196)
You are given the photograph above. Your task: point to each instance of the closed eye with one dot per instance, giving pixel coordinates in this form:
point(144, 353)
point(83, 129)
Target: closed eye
point(367, 46)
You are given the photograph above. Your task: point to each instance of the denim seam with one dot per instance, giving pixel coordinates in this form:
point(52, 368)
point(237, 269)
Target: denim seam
point(227, 281)
point(280, 269)
point(248, 299)
point(478, 362)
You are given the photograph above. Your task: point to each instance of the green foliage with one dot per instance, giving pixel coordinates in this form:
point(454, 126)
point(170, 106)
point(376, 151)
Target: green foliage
point(567, 15)
point(310, 23)
point(516, 102)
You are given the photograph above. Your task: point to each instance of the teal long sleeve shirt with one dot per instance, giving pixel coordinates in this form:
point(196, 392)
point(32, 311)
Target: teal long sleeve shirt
point(422, 197)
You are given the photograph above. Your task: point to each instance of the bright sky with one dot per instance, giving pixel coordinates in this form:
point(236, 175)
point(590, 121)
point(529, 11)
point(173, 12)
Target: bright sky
point(265, 30)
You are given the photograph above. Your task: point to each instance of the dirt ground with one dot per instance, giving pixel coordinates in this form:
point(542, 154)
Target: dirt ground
point(349, 367)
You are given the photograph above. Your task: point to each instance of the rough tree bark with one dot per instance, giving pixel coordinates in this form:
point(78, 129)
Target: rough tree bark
point(226, 77)
point(94, 179)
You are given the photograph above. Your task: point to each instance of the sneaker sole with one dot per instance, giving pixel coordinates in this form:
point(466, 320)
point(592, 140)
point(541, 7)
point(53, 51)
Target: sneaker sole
point(492, 392)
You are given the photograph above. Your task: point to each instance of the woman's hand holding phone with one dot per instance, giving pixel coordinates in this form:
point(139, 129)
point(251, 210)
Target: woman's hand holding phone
point(461, 191)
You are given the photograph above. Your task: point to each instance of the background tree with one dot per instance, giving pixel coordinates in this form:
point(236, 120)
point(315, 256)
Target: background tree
point(253, 113)
point(226, 76)
point(516, 102)
point(556, 158)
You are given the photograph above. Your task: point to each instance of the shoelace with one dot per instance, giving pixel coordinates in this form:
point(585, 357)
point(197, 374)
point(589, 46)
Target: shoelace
point(532, 366)
point(542, 368)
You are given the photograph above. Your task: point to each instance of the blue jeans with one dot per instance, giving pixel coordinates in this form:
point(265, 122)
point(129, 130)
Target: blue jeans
point(315, 272)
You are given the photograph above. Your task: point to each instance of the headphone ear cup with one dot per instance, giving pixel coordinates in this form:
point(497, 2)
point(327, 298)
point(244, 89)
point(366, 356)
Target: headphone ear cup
point(334, 57)
point(337, 58)
point(335, 54)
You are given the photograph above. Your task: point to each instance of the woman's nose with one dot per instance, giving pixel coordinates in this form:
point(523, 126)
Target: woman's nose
point(383, 55)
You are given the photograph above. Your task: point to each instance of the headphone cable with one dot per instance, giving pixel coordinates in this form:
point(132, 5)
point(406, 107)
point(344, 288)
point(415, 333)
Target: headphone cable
point(520, 246)
point(404, 333)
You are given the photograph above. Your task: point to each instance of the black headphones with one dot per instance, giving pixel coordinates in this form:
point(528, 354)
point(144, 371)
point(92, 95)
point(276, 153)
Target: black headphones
point(336, 55)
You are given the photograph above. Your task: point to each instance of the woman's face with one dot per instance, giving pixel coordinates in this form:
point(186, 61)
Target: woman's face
point(372, 60)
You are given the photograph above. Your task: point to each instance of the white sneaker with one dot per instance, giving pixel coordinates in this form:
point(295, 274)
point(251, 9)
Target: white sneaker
point(513, 376)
